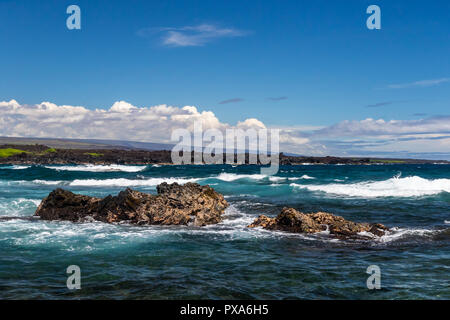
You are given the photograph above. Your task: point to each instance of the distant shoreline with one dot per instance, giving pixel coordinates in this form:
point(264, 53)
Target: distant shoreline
point(41, 154)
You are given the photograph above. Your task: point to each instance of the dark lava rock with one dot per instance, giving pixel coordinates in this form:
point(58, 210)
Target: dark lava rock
point(291, 220)
point(173, 205)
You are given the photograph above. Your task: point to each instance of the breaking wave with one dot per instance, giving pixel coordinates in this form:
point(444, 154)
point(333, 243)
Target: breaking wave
point(99, 168)
point(413, 233)
point(45, 182)
point(395, 187)
point(303, 177)
point(122, 182)
point(14, 167)
point(17, 207)
point(233, 176)
point(228, 177)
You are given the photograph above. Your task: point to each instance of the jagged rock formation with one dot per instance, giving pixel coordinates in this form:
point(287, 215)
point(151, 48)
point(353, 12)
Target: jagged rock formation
point(173, 205)
point(291, 220)
point(189, 204)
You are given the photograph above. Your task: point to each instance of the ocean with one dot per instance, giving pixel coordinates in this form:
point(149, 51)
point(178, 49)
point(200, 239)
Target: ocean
point(228, 260)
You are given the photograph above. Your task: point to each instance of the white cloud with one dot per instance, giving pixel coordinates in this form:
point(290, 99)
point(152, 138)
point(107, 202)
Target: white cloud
point(122, 106)
point(124, 121)
point(189, 36)
point(251, 123)
point(396, 138)
point(421, 83)
point(373, 127)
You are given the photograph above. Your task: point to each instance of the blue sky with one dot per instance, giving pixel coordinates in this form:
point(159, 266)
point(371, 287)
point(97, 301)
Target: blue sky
point(285, 63)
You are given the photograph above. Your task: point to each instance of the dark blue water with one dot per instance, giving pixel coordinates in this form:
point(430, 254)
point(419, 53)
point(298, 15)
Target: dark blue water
point(229, 260)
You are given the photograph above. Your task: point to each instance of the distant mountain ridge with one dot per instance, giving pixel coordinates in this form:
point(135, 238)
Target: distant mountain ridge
point(63, 143)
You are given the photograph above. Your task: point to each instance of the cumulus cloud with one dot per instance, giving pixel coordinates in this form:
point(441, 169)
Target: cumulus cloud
point(189, 36)
point(122, 121)
point(424, 138)
point(251, 123)
point(376, 127)
point(397, 138)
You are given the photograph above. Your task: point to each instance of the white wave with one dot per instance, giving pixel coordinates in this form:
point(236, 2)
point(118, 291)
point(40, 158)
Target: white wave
point(18, 207)
point(234, 217)
point(99, 168)
point(447, 221)
point(228, 177)
point(122, 182)
point(395, 187)
point(303, 177)
point(45, 182)
point(15, 167)
point(276, 179)
point(398, 233)
point(27, 201)
point(233, 176)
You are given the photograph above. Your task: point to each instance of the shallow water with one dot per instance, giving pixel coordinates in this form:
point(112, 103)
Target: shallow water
point(229, 260)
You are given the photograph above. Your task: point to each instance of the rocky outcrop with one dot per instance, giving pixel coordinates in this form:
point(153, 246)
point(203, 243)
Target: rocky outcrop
point(173, 205)
point(189, 204)
point(291, 220)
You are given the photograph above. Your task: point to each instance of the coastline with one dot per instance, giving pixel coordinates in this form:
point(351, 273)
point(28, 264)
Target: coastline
point(41, 154)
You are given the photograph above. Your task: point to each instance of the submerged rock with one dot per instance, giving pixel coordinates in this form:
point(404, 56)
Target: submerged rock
point(173, 205)
point(291, 220)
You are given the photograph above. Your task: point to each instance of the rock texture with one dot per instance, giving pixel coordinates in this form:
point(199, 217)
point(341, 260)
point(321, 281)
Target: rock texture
point(291, 220)
point(173, 205)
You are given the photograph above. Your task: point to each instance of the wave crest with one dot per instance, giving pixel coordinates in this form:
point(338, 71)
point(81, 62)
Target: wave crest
point(99, 168)
point(395, 187)
point(121, 182)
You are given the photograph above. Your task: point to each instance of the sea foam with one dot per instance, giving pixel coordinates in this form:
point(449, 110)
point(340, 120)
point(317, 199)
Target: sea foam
point(233, 176)
point(395, 187)
point(99, 168)
point(15, 167)
point(122, 182)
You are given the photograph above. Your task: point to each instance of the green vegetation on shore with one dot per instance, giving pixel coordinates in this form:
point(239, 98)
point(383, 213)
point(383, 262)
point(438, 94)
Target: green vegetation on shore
point(43, 153)
point(8, 152)
point(4, 153)
point(387, 161)
point(93, 154)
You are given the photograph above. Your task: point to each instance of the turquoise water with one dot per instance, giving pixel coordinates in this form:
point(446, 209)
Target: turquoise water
point(228, 260)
